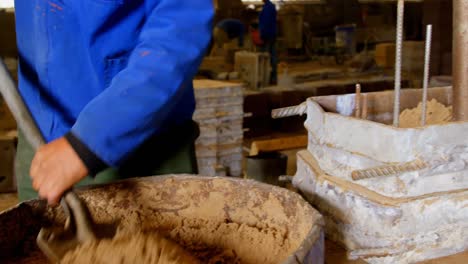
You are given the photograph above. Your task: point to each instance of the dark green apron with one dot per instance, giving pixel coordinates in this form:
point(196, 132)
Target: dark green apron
point(172, 152)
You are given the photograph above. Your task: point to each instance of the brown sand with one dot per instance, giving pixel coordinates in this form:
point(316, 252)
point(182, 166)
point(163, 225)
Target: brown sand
point(436, 113)
point(217, 221)
point(152, 247)
point(129, 247)
point(230, 243)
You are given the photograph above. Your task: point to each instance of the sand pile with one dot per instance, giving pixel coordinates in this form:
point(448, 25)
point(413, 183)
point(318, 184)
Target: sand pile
point(436, 113)
point(151, 247)
point(216, 220)
point(130, 247)
point(230, 243)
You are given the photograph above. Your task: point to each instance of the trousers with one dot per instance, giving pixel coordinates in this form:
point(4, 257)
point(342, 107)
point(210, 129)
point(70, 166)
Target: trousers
point(172, 152)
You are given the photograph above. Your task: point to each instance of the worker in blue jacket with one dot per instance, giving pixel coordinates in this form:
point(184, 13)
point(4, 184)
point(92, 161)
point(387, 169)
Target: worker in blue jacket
point(229, 29)
point(267, 28)
point(109, 83)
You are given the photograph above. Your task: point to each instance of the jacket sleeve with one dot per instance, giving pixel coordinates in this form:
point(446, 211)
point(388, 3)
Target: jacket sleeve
point(159, 71)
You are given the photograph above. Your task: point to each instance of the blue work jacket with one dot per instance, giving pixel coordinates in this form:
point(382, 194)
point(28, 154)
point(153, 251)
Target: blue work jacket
point(113, 72)
point(234, 28)
point(267, 21)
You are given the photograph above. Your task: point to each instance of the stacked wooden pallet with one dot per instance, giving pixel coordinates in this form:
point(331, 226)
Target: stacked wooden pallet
point(219, 113)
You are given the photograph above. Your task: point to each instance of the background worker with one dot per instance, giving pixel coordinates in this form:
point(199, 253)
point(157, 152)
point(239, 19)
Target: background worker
point(110, 86)
point(227, 30)
point(268, 31)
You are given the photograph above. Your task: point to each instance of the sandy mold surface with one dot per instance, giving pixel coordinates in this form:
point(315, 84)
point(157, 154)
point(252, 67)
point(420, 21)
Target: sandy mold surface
point(216, 220)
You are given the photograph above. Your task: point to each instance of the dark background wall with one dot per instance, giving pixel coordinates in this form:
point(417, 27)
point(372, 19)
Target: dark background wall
point(439, 14)
point(324, 18)
point(7, 34)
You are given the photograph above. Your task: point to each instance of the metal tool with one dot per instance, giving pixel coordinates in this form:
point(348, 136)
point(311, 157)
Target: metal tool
point(78, 226)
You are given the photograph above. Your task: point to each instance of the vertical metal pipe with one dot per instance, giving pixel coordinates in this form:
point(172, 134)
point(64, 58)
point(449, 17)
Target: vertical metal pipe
point(364, 107)
point(427, 60)
point(357, 101)
point(398, 53)
point(460, 57)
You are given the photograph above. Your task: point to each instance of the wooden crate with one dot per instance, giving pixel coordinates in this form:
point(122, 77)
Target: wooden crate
point(385, 55)
point(253, 68)
point(412, 58)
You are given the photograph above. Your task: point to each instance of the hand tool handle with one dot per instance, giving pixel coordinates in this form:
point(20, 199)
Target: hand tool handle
point(74, 208)
point(19, 110)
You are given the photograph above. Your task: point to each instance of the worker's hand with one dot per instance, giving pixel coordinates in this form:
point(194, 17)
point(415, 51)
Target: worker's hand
point(56, 168)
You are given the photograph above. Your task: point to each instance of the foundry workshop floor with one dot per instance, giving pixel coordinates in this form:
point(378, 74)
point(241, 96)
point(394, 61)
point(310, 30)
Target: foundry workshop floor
point(334, 254)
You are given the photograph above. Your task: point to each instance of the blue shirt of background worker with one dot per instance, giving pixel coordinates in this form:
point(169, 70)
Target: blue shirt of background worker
point(267, 21)
point(234, 28)
point(267, 28)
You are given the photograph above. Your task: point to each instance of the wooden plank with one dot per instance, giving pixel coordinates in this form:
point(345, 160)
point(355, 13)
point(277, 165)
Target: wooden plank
point(334, 254)
point(8, 200)
point(461, 258)
point(276, 144)
point(212, 84)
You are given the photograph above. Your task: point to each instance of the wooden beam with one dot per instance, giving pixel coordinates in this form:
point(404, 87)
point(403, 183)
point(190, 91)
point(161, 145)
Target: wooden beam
point(269, 145)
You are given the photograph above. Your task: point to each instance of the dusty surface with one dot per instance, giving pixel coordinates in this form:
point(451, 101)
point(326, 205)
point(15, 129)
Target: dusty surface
point(211, 218)
point(372, 225)
point(335, 254)
point(231, 242)
point(130, 247)
point(218, 220)
point(437, 113)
